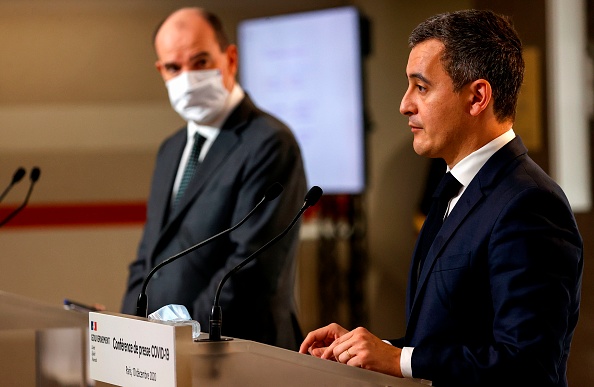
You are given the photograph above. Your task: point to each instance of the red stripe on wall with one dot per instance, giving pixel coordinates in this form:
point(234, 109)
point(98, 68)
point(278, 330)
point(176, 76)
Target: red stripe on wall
point(83, 214)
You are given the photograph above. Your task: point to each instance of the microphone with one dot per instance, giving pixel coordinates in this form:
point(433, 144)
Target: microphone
point(216, 315)
point(33, 176)
point(18, 175)
point(142, 303)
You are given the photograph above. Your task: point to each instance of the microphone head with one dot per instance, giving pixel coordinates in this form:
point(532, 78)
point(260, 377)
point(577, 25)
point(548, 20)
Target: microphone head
point(35, 172)
point(273, 191)
point(313, 195)
point(18, 175)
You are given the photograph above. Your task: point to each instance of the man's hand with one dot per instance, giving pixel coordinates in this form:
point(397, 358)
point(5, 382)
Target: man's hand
point(317, 341)
point(357, 348)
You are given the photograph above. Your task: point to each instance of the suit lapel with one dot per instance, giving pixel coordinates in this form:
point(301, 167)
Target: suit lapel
point(165, 175)
point(225, 144)
point(480, 186)
point(467, 202)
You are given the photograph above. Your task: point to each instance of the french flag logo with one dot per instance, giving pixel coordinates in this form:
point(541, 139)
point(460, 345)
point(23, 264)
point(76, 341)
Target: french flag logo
point(93, 325)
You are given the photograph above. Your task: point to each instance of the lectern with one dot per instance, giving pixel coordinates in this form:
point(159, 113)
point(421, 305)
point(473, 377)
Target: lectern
point(133, 351)
point(46, 345)
point(41, 344)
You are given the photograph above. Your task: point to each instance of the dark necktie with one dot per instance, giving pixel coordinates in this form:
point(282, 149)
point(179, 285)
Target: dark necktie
point(190, 167)
point(448, 188)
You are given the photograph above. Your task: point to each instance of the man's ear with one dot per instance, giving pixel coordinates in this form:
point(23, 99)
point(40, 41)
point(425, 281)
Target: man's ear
point(159, 67)
point(481, 93)
point(232, 58)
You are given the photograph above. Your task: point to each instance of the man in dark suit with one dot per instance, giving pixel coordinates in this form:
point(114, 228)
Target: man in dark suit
point(243, 152)
point(494, 300)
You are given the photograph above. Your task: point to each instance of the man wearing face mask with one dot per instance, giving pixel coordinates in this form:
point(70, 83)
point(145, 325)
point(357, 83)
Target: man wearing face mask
point(236, 151)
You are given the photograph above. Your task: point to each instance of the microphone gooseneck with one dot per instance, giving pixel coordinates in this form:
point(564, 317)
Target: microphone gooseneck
point(142, 303)
point(35, 173)
point(216, 315)
point(18, 175)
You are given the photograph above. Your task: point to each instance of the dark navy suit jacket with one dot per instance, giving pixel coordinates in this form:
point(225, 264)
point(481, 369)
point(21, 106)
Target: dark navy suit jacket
point(252, 151)
point(498, 297)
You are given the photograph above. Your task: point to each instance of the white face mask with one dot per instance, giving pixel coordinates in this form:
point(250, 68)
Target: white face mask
point(198, 96)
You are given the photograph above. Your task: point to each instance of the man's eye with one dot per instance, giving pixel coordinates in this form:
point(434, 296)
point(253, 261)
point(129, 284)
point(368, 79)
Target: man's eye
point(172, 69)
point(201, 64)
point(422, 89)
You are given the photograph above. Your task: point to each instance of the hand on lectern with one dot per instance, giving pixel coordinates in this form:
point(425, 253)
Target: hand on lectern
point(357, 348)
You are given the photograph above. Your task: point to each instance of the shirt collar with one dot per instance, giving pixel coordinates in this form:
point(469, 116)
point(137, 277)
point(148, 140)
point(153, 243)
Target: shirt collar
point(465, 170)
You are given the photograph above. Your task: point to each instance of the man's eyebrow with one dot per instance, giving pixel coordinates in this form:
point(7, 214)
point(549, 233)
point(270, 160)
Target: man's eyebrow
point(420, 77)
point(199, 55)
point(175, 64)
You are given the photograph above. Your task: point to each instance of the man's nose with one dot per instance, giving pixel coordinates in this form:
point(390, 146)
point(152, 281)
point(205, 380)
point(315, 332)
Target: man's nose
point(406, 105)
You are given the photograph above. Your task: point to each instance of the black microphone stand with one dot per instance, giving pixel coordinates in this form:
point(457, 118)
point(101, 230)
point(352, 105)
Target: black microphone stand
point(142, 303)
point(34, 176)
point(216, 315)
point(18, 175)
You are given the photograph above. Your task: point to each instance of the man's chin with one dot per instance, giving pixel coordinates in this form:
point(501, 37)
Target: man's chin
point(420, 149)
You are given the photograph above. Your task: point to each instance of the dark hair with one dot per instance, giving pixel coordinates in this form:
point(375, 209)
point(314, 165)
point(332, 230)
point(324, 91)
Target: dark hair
point(212, 19)
point(218, 28)
point(479, 44)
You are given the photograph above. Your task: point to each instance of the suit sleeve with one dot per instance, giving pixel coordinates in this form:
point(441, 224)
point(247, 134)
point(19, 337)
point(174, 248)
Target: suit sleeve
point(533, 265)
